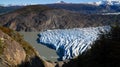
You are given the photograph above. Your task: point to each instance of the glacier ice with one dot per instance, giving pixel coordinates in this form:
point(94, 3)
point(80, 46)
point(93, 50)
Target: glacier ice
point(69, 43)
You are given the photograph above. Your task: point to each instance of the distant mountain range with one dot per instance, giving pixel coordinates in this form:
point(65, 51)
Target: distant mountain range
point(87, 8)
point(7, 9)
point(108, 2)
point(100, 2)
point(99, 7)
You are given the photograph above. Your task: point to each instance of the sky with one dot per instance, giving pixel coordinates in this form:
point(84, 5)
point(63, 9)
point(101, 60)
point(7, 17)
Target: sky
point(23, 2)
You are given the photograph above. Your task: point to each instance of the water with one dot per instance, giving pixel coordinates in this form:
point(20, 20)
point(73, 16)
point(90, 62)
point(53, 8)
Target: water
point(45, 52)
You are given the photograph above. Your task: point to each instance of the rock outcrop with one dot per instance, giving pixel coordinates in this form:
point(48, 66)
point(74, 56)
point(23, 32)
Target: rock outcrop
point(15, 52)
point(12, 53)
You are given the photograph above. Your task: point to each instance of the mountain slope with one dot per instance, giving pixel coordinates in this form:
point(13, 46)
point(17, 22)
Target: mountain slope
point(39, 18)
point(7, 9)
point(87, 8)
point(15, 52)
point(10, 51)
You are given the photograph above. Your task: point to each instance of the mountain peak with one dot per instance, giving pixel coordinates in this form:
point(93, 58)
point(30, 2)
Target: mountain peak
point(61, 2)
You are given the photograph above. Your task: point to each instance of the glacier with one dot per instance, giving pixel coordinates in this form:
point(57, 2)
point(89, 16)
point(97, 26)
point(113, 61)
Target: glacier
point(70, 43)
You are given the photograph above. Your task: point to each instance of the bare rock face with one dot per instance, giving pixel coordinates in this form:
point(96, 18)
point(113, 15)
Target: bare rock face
point(15, 52)
point(39, 18)
point(12, 52)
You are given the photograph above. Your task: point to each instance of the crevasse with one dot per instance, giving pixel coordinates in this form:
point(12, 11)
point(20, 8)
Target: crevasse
point(69, 43)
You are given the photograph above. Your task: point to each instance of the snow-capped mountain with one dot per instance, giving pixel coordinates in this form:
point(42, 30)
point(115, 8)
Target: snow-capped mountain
point(69, 43)
point(61, 2)
point(108, 2)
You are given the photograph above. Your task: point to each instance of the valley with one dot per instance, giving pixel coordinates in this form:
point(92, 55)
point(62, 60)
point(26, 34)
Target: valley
point(60, 34)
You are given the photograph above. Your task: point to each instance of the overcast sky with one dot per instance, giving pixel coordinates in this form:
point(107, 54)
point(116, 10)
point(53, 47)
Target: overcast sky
point(21, 2)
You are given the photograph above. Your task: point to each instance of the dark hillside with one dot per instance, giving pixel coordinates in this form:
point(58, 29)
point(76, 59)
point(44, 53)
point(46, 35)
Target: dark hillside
point(7, 9)
point(87, 8)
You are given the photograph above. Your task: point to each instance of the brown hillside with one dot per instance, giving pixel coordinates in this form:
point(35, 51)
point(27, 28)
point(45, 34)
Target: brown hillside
point(15, 52)
point(39, 18)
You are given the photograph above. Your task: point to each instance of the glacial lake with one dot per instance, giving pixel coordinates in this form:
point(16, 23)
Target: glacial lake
point(45, 52)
